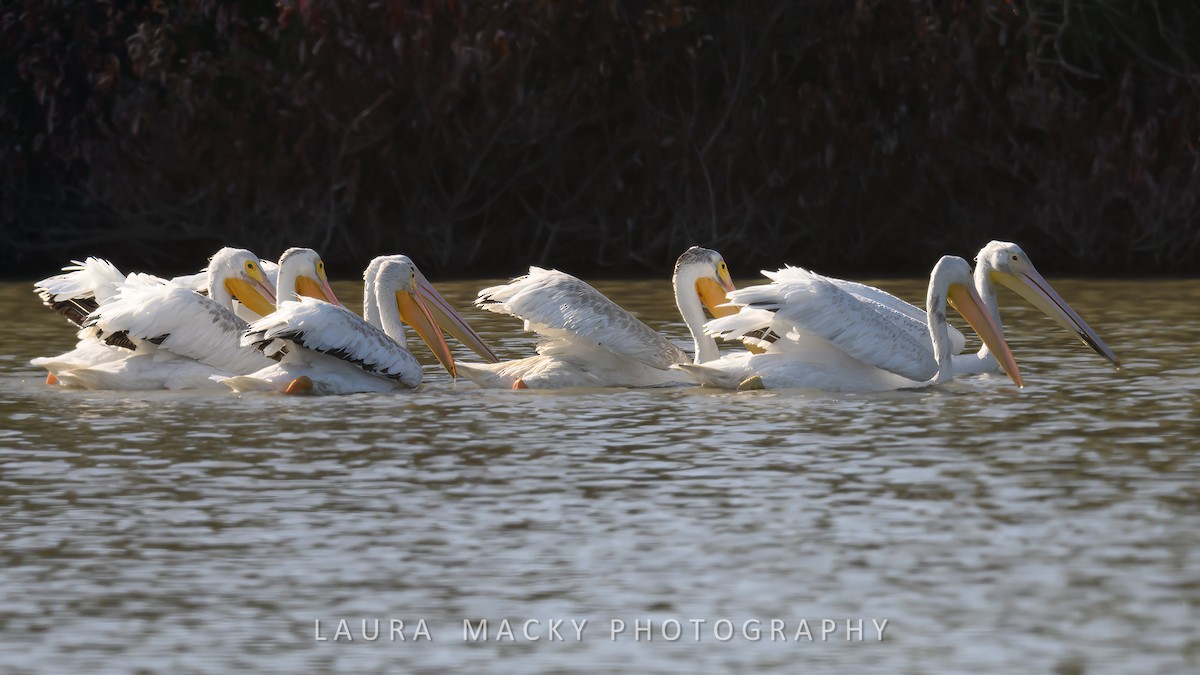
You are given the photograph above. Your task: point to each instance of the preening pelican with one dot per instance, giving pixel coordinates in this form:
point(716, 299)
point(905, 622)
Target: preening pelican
point(586, 340)
point(330, 350)
point(834, 340)
point(180, 336)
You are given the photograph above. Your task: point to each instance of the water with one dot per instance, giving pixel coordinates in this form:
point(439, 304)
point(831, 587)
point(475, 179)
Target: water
point(1049, 529)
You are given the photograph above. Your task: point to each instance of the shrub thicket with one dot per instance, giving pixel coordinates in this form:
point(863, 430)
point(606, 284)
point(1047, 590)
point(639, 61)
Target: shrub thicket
point(482, 136)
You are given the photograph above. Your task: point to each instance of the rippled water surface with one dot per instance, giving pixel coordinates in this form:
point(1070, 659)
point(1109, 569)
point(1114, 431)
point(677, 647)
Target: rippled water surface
point(995, 529)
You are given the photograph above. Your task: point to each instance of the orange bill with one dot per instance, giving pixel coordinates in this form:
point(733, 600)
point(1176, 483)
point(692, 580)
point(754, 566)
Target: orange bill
point(258, 298)
point(967, 302)
point(714, 297)
point(414, 312)
point(320, 290)
point(451, 321)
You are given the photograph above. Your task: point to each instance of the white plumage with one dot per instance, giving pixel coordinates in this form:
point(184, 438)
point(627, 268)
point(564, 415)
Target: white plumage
point(587, 340)
point(998, 262)
point(911, 319)
point(89, 351)
point(172, 335)
point(559, 307)
point(146, 370)
point(81, 288)
point(831, 339)
point(329, 350)
point(338, 350)
point(800, 304)
point(199, 281)
point(182, 322)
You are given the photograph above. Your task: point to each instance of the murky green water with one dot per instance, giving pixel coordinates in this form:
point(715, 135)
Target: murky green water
point(995, 530)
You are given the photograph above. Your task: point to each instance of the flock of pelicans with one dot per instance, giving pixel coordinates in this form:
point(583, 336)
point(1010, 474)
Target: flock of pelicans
point(251, 325)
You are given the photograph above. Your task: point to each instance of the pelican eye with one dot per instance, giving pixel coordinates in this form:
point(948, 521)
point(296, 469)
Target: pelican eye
point(1016, 257)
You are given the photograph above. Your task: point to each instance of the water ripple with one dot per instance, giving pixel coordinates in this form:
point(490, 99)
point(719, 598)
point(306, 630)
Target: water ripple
point(1053, 528)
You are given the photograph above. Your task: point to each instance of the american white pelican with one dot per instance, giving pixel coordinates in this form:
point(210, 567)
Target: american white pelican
point(447, 318)
point(180, 336)
point(191, 358)
point(330, 350)
point(1000, 262)
point(586, 340)
point(84, 286)
point(831, 339)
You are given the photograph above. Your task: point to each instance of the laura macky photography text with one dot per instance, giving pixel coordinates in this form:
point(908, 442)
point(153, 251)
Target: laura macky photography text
point(576, 630)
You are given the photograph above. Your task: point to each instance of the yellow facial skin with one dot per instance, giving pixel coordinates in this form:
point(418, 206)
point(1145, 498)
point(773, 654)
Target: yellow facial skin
point(968, 303)
point(318, 288)
point(252, 289)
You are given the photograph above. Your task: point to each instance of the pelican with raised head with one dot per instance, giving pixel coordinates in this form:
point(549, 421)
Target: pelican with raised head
point(832, 340)
point(1000, 262)
point(586, 340)
point(1004, 263)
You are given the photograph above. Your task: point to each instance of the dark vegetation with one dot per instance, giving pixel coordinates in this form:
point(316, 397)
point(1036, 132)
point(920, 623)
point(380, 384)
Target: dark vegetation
point(850, 136)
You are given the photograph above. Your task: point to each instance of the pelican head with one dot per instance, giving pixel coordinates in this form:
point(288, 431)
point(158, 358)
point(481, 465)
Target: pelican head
point(398, 280)
point(302, 272)
point(951, 282)
point(239, 274)
point(446, 317)
point(701, 276)
point(705, 271)
point(1005, 263)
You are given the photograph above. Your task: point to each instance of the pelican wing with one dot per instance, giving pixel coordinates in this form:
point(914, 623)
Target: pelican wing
point(196, 282)
point(336, 331)
point(802, 305)
point(887, 301)
point(180, 321)
point(80, 289)
point(559, 307)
